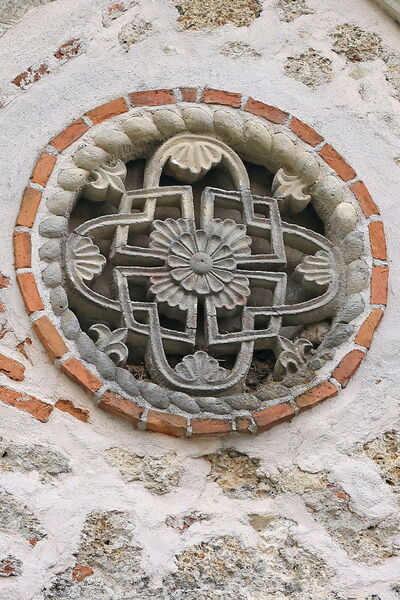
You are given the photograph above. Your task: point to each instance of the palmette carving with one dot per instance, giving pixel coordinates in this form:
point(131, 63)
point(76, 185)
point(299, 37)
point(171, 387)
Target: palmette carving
point(87, 260)
point(200, 368)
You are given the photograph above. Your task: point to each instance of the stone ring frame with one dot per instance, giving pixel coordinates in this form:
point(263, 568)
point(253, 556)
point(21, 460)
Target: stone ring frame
point(305, 166)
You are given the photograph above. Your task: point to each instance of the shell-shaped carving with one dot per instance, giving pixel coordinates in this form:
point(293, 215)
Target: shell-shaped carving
point(88, 261)
point(316, 272)
point(191, 160)
point(200, 368)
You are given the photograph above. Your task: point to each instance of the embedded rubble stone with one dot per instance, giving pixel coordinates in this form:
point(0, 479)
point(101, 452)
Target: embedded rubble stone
point(158, 475)
point(237, 474)
point(239, 50)
point(310, 68)
point(289, 10)
point(134, 32)
point(16, 517)
point(184, 521)
point(209, 14)
point(365, 540)
point(392, 71)
point(10, 566)
point(356, 44)
point(25, 458)
point(385, 452)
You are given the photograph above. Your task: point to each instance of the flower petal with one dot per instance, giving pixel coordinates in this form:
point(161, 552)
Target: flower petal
point(201, 238)
point(223, 251)
point(190, 282)
point(223, 275)
point(215, 284)
point(225, 263)
point(213, 243)
point(202, 286)
point(175, 261)
point(181, 250)
point(180, 274)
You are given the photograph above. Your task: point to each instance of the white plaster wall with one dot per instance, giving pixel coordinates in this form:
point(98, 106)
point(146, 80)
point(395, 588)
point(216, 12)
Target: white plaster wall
point(359, 118)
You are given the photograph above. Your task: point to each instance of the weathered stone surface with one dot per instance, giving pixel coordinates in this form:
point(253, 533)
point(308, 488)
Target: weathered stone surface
point(24, 458)
point(237, 474)
point(385, 452)
point(289, 10)
point(356, 44)
point(184, 521)
point(134, 32)
point(10, 566)
point(158, 475)
point(239, 50)
point(16, 517)
point(208, 14)
point(310, 68)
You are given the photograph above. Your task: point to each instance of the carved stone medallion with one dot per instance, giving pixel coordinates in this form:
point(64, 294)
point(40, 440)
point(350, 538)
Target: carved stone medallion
point(201, 260)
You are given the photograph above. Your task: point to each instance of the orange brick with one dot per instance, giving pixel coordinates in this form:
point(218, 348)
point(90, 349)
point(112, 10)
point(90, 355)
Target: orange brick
point(189, 94)
point(4, 281)
point(12, 368)
point(37, 408)
point(69, 135)
point(379, 285)
point(337, 162)
point(268, 417)
point(364, 199)
point(317, 394)
point(221, 97)
point(305, 132)
point(29, 292)
point(152, 98)
point(50, 338)
point(160, 422)
point(377, 240)
point(29, 207)
point(81, 375)
point(22, 250)
point(205, 427)
point(107, 111)
point(80, 572)
point(276, 115)
point(367, 329)
point(123, 407)
point(244, 425)
point(69, 407)
point(348, 366)
point(43, 168)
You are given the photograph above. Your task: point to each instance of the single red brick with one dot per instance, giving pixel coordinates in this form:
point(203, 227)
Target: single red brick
point(31, 75)
point(276, 115)
point(4, 281)
point(377, 240)
point(305, 132)
point(205, 427)
point(12, 368)
point(244, 425)
point(189, 94)
point(29, 292)
point(363, 196)
point(29, 207)
point(50, 338)
point(337, 162)
point(168, 424)
point(367, 329)
point(107, 111)
point(317, 394)
point(379, 285)
point(152, 98)
point(273, 415)
point(69, 407)
point(80, 572)
point(37, 408)
point(22, 250)
point(221, 97)
point(68, 49)
point(123, 407)
point(81, 375)
point(69, 135)
point(43, 168)
point(348, 366)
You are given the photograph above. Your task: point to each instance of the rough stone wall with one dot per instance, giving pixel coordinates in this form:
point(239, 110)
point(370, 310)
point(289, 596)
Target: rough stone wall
point(89, 507)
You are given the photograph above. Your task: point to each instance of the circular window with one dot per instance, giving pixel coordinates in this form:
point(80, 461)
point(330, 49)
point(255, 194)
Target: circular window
point(200, 267)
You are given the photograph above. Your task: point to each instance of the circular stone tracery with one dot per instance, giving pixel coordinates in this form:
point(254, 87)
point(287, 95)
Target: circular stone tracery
point(311, 323)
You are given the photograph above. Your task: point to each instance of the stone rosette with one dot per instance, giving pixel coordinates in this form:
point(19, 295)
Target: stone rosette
point(306, 170)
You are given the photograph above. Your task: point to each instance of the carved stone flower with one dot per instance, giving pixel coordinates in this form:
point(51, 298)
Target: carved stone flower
point(200, 262)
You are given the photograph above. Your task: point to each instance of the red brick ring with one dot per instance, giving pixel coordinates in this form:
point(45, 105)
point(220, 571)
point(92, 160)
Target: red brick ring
point(158, 421)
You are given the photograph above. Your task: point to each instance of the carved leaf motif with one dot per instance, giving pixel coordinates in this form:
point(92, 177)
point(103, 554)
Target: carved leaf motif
point(200, 368)
point(106, 182)
point(87, 259)
point(293, 355)
point(316, 272)
point(291, 192)
point(111, 342)
point(191, 160)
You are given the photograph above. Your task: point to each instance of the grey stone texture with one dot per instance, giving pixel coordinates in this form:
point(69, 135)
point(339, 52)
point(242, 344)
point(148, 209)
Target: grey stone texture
point(309, 67)
point(356, 44)
point(17, 518)
point(159, 475)
point(25, 458)
point(289, 10)
point(208, 14)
